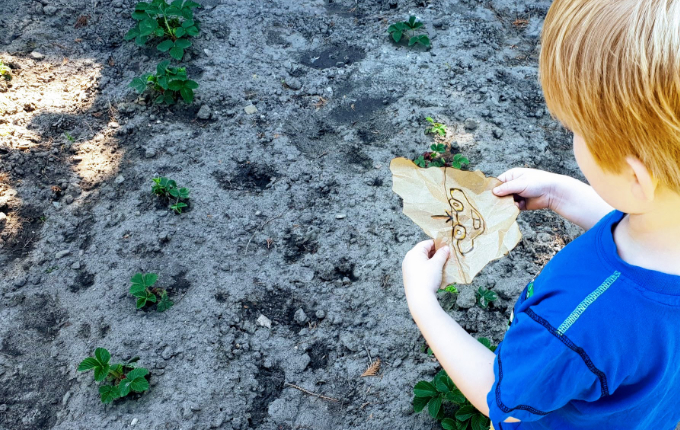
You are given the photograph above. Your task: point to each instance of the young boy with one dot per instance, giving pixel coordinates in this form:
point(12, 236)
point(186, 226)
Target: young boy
point(595, 340)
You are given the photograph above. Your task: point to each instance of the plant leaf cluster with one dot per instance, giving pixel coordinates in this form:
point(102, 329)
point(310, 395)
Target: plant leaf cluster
point(120, 379)
point(171, 23)
point(167, 85)
point(437, 127)
point(145, 292)
point(484, 297)
point(447, 404)
point(168, 189)
point(5, 71)
point(412, 29)
point(437, 156)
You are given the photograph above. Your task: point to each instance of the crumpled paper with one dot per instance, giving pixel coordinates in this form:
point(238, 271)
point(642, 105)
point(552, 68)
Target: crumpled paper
point(458, 209)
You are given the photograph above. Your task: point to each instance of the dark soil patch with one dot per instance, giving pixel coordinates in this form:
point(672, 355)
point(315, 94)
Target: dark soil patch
point(248, 176)
point(318, 354)
point(333, 56)
point(21, 237)
point(270, 382)
point(277, 305)
point(297, 246)
point(361, 110)
point(83, 280)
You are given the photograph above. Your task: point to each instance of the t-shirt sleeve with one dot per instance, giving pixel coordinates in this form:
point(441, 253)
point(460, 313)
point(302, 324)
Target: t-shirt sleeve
point(537, 371)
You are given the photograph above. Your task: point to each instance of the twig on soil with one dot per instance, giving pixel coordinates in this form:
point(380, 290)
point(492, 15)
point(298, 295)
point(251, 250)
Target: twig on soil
point(321, 396)
point(260, 228)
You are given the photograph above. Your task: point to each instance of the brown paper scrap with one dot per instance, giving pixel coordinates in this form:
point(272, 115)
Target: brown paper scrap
point(458, 209)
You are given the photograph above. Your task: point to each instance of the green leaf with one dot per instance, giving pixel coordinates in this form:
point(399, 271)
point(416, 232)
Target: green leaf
point(142, 6)
point(417, 25)
point(177, 4)
point(192, 85)
point(160, 99)
point(448, 424)
point(147, 27)
point(134, 32)
point(425, 389)
point(150, 297)
point(161, 67)
point(138, 85)
point(484, 341)
point(177, 53)
point(183, 43)
point(396, 36)
point(139, 15)
point(423, 40)
point(150, 279)
point(444, 384)
point(109, 393)
point(101, 372)
point(141, 302)
point(480, 422)
point(187, 13)
point(138, 290)
point(434, 406)
point(462, 425)
point(173, 11)
point(102, 355)
point(465, 412)
point(419, 403)
point(141, 40)
point(180, 32)
point(455, 396)
point(165, 303)
point(412, 41)
point(184, 193)
point(169, 97)
point(165, 45)
point(159, 32)
point(530, 290)
point(88, 364)
point(138, 278)
point(192, 31)
point(137, 379)
point(176, 85)
point(411, 21)
point(187, 23)
point(187, 94)
point(124, 387)
point(191, 4)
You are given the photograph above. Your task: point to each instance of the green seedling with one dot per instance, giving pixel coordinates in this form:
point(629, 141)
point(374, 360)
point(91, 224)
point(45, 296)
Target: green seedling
point(121, 379)
point(438, 157)
point(437, 128)
point(145, 292)
point(459, 160)
point(448, 297)
point(410, 29)
point(171, 24)
point(167, 85)
point(451, 289)
point(435, 396)
point(484, 297)
point(69, 137)
point(5, 71)
point(167, 189)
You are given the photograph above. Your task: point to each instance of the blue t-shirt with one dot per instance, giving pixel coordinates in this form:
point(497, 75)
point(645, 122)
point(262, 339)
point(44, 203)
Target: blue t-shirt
point(594, 344)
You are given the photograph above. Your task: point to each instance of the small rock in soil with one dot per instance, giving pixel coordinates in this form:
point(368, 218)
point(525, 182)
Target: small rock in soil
point(263, 321)
point(340, 216)
point(466, 298)
point(300, 316)
point(497, 133)
point(150, 153)
point(62, 254)
point(37, 55)
point(119, 179)
point(50, 10)
point(204, 112)
point(471, 124)
point(250, 109)
point(3, 219)
point(294, 83)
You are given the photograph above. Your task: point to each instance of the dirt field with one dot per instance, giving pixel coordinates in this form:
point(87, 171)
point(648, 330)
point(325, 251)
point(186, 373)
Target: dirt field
point(291, 213)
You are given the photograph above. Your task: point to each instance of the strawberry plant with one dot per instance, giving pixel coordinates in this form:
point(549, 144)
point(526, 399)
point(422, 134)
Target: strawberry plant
point(121, 379)
point(412, 29)
point(172, 24)
point(484, 297)
point(167, 189)
point(437, 128)
point(447, 404)
point(439, 156)
point(145, 292)
point(167, 85)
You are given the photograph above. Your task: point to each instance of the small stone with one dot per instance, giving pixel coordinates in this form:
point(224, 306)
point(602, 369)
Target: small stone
point(76, 265)
point(56, 205)
point(263, 321)
point(471, 124)
point(208, 52)
point(300, 316)
point(114, 124)
point(50, 10)
point(204, 112)
point(20, 282)
point(497, 133)
point(68, 199)
point(320, 314)
point(3, 219)
point(293, 83)
point(37, 55)
point(62, 254)
point(150, 153)
point(340, 216)
point(250, 109)
point(119, 179)
point(134, 421)
point(167, 353)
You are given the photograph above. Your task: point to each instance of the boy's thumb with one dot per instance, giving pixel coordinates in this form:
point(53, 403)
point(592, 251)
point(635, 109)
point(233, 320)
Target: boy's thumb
point(441, 256)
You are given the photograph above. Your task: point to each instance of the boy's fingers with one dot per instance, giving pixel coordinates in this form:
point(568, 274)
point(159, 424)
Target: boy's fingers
point(423, 248)
point(509, 175)
point(511, 187)
point(440, 257)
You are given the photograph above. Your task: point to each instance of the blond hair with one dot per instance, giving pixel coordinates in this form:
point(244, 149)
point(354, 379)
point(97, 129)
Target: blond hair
point(610, 71)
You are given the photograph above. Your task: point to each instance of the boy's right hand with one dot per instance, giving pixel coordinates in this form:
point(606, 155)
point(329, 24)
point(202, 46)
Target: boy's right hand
point(533, 189)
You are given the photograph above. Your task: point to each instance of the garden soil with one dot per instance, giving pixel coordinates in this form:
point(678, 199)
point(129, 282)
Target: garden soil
point(286, 149)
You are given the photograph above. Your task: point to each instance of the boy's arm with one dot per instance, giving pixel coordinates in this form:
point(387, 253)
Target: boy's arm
point(467, 362)
point(569, 197)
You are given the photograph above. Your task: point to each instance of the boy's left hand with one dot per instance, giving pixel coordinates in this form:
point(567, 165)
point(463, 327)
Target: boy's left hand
point(422, 270)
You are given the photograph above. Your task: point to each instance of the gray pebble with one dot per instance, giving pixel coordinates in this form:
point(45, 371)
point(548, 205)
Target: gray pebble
point(62, 254)
point(294, 83)
point(204, 112)
point(471, 124)
point(150, 153)
point(300, 316)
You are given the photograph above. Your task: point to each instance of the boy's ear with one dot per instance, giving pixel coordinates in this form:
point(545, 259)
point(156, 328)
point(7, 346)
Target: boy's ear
point(644, 184)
